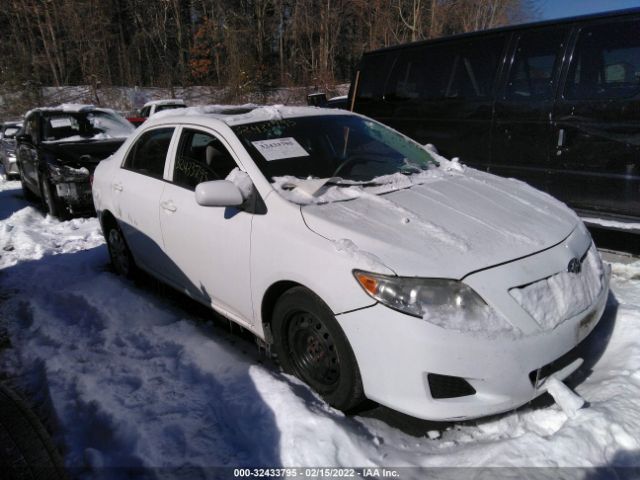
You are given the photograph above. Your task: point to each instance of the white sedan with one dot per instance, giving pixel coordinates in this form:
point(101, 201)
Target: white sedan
point(373, 266)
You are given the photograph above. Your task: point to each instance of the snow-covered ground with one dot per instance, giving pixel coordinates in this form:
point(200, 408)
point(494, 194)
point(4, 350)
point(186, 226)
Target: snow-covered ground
point(138, 376)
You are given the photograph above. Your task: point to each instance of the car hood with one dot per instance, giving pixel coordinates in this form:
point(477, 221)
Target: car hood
point(448, 227)
point(83, 153)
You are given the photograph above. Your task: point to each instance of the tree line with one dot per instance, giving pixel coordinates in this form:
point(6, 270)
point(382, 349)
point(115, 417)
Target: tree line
point(242, 44)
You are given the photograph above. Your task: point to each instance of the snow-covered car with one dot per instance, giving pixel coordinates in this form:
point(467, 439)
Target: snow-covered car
point(8, 133)
point(58, 150)
point(153, 107)
point(372, 266)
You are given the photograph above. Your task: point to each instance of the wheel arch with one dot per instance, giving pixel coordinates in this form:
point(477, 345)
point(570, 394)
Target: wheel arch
point(269, 300)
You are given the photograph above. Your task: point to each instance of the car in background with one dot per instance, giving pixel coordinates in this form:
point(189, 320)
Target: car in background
point(154, 106)
point(58, 150)
point(8, 132)
point(374, 267)
point(320, 100)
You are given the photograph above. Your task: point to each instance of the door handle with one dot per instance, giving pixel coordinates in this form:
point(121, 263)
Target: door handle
point(561, 147)
point(117, 186)
point(169, 206)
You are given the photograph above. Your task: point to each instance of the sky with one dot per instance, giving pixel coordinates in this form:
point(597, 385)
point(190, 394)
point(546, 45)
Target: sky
point(569, 8)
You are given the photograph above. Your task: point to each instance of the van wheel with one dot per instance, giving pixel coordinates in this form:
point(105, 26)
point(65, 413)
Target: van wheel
point(51, 201)
point(119, 252)
point(311, 345)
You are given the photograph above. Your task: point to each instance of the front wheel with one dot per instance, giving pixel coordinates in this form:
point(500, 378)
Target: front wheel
point(119, 252)
point(51, 201)
point(311, 345)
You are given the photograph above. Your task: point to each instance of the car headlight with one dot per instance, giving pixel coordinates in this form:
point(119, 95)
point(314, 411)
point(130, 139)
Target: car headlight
point(65, 173)
point(447, 303)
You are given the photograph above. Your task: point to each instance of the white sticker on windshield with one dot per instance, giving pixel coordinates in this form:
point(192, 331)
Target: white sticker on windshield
point(280, 148)
point(60, 122)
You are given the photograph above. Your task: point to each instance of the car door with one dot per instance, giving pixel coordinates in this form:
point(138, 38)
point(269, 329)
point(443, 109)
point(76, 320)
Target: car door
point(27, 151)
point(522, 129)
point(209, 246)
point(136, 188)
point(596, 133)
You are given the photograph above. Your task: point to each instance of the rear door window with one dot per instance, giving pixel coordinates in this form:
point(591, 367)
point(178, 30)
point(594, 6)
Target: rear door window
point(605, 62)
point(537, 57)
point(149, 153)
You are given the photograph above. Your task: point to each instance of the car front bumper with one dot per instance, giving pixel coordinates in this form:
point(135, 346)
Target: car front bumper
point(396, 354)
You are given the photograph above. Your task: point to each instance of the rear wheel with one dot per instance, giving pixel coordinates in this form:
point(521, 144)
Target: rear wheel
point(311, 345)
point(119, 252)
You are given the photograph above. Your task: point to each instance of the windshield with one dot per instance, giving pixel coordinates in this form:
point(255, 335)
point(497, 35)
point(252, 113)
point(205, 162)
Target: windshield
point(77, 126)
point(340, 147)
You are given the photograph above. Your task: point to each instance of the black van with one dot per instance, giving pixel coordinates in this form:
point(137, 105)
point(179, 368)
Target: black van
point(556, 104)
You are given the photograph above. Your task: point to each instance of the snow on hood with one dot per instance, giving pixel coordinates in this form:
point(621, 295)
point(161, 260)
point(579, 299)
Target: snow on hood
point(473, 220)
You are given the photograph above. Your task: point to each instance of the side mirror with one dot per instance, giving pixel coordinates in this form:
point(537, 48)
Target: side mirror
point(218, 193)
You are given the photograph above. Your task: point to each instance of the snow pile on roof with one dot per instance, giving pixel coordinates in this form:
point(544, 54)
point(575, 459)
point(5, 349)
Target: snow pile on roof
point(564, 295)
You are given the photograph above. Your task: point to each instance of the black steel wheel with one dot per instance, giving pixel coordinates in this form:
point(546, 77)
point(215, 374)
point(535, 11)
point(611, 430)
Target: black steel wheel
point(311, 345)
point(119, 252)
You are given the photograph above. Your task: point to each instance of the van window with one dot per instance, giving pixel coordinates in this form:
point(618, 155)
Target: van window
point(606, 62)
point(465, 70)
point(537, 56)
point(372, 77)
point(474, 68)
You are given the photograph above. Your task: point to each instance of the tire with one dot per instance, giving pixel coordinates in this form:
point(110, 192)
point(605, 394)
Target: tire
point(26, 449)
point(311, 345)
point(51, 202)
point(26, 192)
point(119, 253)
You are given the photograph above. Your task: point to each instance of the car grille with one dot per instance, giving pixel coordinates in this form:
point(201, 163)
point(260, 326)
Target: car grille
point(552, 300)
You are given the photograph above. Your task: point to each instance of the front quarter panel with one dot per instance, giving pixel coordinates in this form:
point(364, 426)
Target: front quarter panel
point(283, 248)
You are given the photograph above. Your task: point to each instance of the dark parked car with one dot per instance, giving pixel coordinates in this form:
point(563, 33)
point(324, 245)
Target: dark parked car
point(8, 132)
point(556, 104)
point(58, 150)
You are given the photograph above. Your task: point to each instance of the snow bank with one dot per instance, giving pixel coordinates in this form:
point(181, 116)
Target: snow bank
point(138, 380)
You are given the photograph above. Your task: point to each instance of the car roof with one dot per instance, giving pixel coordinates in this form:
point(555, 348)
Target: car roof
point(169, 101)
point(70, 108)
point(508, 28)
point(233, 115)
